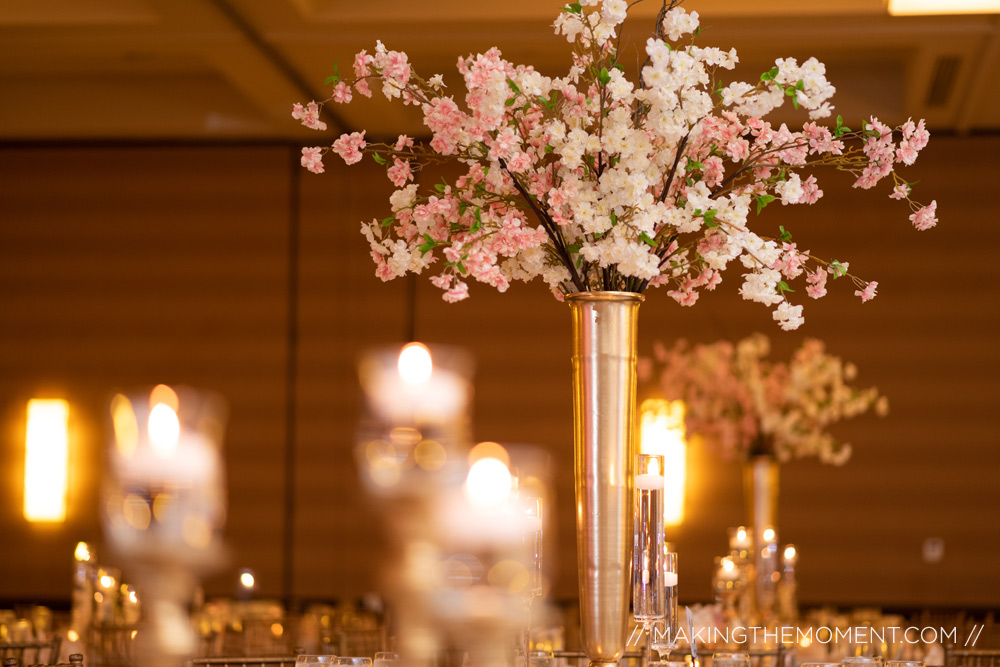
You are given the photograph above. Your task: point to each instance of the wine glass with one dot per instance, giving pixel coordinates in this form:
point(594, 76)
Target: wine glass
point(731, 659)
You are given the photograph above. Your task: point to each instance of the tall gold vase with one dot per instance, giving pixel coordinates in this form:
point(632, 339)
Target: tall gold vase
point(760, 484)
point(604, 434)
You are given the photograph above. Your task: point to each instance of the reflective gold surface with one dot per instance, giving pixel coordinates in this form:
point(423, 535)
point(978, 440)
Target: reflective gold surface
point(604, 388)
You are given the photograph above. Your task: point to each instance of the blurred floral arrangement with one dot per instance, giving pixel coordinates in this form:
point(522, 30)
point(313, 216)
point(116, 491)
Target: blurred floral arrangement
point(745, 405)
point(594, 182)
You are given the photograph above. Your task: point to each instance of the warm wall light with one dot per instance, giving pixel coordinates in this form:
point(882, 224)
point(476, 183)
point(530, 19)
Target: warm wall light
point(918, 7)
point(661, 425)
point(46, 460)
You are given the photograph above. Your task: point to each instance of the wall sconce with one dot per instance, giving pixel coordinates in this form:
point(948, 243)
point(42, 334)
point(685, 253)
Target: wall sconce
point(920, 7)
point(661, 431)
point(46, 460)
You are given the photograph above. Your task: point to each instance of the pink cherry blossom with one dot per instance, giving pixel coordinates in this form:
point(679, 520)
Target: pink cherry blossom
point(816, 284)
point(925, 217)
point(399, 173)
point(309, 115)
point(312, 159)
point(901, 191)
point(457, 293)
point(592, 181)
point(403, 142)
point(868, 293)
point(349, 146)
point(342, 93)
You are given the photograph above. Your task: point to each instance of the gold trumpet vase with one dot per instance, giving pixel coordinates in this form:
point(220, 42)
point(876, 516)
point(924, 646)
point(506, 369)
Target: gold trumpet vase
point(760, 486)
point(604, 434)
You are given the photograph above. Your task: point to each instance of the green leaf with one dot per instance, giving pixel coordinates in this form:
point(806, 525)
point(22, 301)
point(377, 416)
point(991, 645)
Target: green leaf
point(841, 129)
point(783, 287)
point(548, 148)
point(694, 165)
point(709, 217)
point(378, 158)
point(838, 269)
point(614, 219)
point(619, 67)
point(645, 239)
point(463, 206)
point(478, 224)
point(786, 235)
point(575, 8)
point(762, 201)
point(388, 221)
point(428, 245)
point(510, 102)
point(769, 75)
point(513, 86)
point(461, 268)
point(604, 77)
point(574, 248)
point(333, 78)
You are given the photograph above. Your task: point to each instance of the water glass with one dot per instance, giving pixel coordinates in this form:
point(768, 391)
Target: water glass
point(904, 663)
point(541, 659)
point(315, 660)
point(731, 660)
point(861, 661)
point(358, 661)
point(386, 659)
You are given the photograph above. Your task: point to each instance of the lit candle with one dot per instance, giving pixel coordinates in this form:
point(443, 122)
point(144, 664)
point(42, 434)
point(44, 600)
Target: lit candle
point(650, 479)
point(791, 556)
point(417, 388)
point(740, 539)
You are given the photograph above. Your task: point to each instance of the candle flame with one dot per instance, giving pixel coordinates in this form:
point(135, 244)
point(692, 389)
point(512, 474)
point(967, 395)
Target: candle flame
point(164, 430)
point(415, 365)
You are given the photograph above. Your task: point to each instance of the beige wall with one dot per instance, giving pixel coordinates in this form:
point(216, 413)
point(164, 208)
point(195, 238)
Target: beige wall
point(122, 266)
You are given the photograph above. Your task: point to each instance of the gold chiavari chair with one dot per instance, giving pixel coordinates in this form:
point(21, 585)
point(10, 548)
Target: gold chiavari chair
point(243, 661)
point(32, 652)
point(962, 657)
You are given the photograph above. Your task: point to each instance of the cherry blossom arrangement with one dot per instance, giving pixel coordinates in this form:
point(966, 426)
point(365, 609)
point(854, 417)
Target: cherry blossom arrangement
point(744, 405)
point(594, 182)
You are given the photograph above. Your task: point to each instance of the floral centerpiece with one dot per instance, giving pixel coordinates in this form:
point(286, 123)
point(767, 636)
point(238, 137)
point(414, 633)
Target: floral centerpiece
point(744, 405)
point(593, 181)
point(603, 183)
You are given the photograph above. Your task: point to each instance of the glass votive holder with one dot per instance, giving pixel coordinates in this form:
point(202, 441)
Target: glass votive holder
point(541, 659)
point(385, 659)
point(861, 661)
point(730, 659)
point(324, 660)
point(904, 663)
point(359, 661)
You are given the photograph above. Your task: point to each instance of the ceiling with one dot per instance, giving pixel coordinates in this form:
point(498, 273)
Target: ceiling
point(231, 69)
